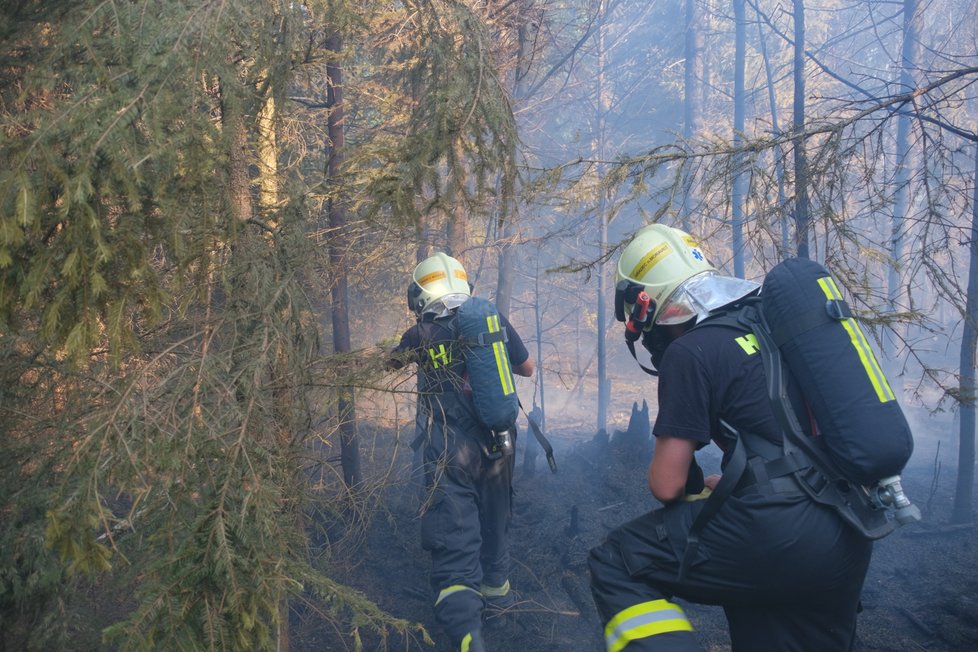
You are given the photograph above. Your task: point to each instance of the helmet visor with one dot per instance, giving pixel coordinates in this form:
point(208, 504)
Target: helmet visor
point(443, 306)
point(678, 309)
point(700, 295)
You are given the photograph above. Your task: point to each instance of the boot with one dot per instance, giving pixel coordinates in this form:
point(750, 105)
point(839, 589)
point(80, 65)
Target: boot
point(473, 642)
point(498, 599)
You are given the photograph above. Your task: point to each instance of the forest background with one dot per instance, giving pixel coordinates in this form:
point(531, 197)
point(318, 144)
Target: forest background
point(209, 212)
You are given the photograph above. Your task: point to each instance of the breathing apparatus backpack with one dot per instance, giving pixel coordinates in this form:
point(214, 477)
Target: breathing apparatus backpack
point(488, 370)
point(862, 440)
point(804, 329)
point(865, 431)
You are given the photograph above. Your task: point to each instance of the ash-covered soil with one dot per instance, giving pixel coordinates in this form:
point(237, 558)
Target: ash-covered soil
point(921, 592)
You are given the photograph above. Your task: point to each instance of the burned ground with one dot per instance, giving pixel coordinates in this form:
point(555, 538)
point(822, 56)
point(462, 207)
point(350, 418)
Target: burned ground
point(920, 593)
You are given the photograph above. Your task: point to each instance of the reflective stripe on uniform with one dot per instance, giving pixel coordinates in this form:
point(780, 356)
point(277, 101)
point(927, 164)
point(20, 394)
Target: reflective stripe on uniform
point(499, 349)
point(440, 356)
point(858, 340)
point(495, 591)
point(644, 620)
point(466, 642)
point(449, 590)
point(748, 343)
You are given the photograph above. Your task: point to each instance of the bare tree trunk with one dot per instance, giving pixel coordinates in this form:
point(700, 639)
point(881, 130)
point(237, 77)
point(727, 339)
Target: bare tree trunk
point(901, 200)
point(232, 119)
point(964, 490)
point(602, 108)
point(457, 227)
point(692, 108)
point(778, 152)
point(538, 318)
point(802, 219)
point(267, 157)
point(505, 266)
point(425, 246)
point(604, 389)
point(455, 240)
point(346, 405)
point(707, 27)
point(267, 203)
point(739, 180)
point(506, 228)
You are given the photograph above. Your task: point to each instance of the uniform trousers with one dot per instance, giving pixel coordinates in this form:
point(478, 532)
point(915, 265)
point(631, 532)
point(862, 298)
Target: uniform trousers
point(465, 524)
point(787, 572)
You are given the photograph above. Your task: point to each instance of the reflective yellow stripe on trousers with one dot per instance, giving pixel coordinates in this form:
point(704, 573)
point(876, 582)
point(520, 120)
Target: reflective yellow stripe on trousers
point(494, 591)
point(644, 620)
point(454, 588)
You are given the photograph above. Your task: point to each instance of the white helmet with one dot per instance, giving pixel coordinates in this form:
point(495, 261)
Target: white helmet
point(438, 285)
point(670, 267)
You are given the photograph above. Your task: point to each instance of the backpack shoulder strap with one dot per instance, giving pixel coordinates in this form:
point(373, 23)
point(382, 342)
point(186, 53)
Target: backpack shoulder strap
point(734, 471)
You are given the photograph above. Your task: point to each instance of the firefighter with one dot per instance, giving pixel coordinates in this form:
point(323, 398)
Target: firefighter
point(787, 571)
point(466, 513)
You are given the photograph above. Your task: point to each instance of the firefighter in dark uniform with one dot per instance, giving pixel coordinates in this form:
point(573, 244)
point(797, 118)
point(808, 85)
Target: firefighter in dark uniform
point(466, 514)
point(788, 572)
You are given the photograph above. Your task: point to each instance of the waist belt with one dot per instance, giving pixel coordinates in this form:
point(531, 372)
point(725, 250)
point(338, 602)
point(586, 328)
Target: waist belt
point(781, 486)
point(766, 477)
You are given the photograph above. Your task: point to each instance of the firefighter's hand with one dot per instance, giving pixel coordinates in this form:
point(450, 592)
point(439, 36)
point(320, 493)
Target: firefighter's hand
point(711, 481)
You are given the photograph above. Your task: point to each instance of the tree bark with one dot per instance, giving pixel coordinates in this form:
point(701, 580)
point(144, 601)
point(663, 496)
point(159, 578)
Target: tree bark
point(692, 107)
point(456, 230)
point(505, 266)
point(602, 109)
point(902, 174)
point(802, 219)
point(962, 511)
point(267, 157)
point(346, 403)
point(739, 181)
point(776, 128)
point(232, 120)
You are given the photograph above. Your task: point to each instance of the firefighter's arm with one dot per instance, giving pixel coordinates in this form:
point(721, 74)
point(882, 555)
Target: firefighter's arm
point(403, 353)
point(669, 469)
point(525, 368)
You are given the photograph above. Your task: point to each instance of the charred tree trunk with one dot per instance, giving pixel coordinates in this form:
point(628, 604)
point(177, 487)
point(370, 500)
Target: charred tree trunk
point(802, 218)
point(346, 405)
point(964, 490)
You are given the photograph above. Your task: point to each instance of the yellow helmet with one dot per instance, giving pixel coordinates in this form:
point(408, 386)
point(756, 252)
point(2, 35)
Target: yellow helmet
point(659, 260)
point(439, 283)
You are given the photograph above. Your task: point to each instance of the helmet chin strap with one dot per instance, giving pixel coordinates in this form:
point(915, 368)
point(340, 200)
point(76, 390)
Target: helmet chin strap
point(642, 310)
point(656, 340)
point(652, 371)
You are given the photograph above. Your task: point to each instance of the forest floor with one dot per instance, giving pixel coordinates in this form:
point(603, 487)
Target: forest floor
point(921, 592)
